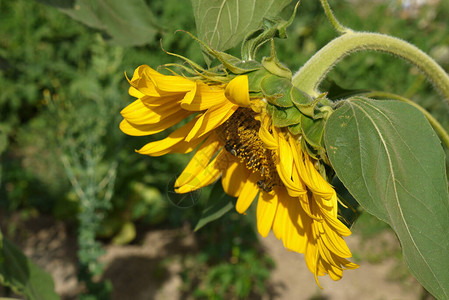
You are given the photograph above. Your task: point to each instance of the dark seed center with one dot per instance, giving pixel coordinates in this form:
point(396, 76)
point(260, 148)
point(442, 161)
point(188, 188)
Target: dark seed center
point(240, 134)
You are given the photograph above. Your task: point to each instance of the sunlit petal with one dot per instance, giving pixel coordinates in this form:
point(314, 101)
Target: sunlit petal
point(237, 91)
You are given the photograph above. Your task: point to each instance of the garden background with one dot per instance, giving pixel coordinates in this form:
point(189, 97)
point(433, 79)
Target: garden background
point(103, 220)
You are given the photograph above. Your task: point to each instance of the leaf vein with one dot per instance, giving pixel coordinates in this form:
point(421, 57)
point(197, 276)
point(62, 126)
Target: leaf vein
point(390, 164)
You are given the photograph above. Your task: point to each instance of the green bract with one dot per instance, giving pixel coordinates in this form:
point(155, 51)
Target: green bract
point(287, 105)
point(290, 107)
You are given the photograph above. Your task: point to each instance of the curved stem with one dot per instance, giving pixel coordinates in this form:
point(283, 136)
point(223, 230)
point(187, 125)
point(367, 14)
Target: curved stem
point(312, 73)
point(434, 122)
point(332, 19)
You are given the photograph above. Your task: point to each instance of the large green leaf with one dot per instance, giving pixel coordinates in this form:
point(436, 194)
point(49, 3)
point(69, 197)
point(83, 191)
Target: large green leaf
point(392, 162)
point(222, 24)
point(23, 276)
point(128, 23)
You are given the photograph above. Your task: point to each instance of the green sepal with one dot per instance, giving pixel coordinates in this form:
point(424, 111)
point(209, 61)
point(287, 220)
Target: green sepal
point(255, 80)
point(295, 129)
point(236, 65)
point(306, 104)
point(232, 63)
point(274, 66)
point(299, 98)
point(313, 131)
point(277, 90)
point(284, 116)
point(310, 151)
point(208, 75)
point(273, 27)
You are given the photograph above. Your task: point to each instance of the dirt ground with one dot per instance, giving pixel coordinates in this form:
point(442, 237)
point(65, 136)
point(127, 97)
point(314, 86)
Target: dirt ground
point(51, 245)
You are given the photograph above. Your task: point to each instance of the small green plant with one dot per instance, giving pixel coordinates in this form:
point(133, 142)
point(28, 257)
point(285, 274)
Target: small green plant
point(230, 263)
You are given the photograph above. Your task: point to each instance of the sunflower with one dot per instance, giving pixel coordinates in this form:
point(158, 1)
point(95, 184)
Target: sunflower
point(236, 142)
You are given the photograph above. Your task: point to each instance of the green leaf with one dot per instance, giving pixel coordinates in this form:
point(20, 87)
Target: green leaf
point(222, 24)
point(392, 162)
point(23, 276)
point(128, 23)
point(58, 3)
point(221, 203)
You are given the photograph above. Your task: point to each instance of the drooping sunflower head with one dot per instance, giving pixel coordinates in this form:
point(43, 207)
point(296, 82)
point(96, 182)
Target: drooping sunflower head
point(258, 134)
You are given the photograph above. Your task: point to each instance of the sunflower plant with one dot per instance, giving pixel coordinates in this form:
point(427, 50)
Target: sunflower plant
point(272, 139)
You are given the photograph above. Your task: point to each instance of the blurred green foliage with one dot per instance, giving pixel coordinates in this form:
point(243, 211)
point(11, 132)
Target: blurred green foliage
point(62, 86)
point(235, 270)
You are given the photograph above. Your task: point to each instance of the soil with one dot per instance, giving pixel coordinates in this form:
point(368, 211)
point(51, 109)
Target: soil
point(143, 271)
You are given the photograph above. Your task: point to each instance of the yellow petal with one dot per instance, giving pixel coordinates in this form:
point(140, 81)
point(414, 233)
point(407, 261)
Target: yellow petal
point(211, 119)
point(206, 97)
point(311, 177)
point(199, 161)
point(295, 189)
point(285, 155)
point(135, 92)
point(209, 175)
point(186, 147)
point(337, 225)
point(335, 243)
point(169, 144)
point(152, 101)
point(334, 272)
point(248, 193)
point(234, 177)
point(285, 168)
point(140, 114)
point(141, 84)
point(266, 210)
point(169, 83)
point(149, 129)
point(305, 204)
point(311, 256)
point(137, 73)
point(237, 91)
point(347, 264)
point(326, 256)
point(316, 182)
point(267, 139)
point(289, 223)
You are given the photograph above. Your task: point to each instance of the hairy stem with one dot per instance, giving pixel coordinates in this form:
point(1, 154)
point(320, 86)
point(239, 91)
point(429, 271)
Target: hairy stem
point(332, 19)
point(309, 77)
